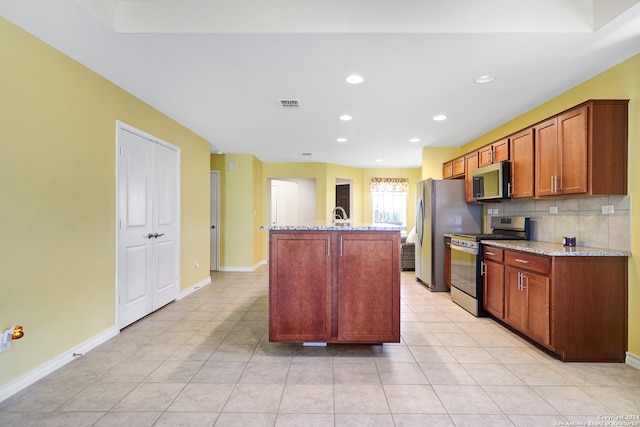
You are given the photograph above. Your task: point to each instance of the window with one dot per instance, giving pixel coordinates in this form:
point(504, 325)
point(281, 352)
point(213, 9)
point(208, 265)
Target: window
point(389, 200)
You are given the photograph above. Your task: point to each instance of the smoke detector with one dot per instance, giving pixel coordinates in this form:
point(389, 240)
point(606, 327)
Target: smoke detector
point(289, 104)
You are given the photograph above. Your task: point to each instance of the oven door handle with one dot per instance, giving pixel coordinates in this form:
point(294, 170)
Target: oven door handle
point(463, 249)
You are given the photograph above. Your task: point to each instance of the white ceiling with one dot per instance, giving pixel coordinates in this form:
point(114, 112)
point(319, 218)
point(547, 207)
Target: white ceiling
point(219, 67)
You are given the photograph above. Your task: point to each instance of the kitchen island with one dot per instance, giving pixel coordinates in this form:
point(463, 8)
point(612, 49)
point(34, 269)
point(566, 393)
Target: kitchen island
point(334, 283)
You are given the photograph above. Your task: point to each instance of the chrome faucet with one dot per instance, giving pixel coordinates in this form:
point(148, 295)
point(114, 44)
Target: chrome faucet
point(335, 215)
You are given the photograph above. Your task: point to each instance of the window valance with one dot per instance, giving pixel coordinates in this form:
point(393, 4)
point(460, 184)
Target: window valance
point(389, 185)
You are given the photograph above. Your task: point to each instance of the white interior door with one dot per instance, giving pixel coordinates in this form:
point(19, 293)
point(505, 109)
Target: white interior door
point(215, 186)
point(148, 226)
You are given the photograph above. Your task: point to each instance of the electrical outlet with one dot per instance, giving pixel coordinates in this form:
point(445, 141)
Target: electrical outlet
point(489, 211)
point(553, 209)
point(607, 210)
point(495, 211)
point(5, 340)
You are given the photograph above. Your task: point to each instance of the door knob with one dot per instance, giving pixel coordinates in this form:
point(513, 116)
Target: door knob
point(213, 226)
point(150, 236)
point(158, 235)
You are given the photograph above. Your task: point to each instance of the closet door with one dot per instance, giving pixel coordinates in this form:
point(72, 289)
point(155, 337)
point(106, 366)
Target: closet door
point(147, 226)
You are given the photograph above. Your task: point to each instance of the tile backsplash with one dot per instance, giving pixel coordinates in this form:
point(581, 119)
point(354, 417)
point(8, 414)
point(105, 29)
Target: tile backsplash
point(581, 218)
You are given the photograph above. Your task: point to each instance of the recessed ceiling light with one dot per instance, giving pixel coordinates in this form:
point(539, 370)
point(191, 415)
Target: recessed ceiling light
point(341, 139)
point(345, 117)
point(379, 160)
point(487, 78)
point(414, 140)
point(354, 79)
point(439, 117)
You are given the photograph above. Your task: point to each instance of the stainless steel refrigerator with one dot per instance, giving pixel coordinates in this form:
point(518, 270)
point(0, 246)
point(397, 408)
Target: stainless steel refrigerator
point(440, 209)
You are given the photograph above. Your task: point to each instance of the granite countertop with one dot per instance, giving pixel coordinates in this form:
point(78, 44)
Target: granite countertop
point(553, 249)
point(328, 226)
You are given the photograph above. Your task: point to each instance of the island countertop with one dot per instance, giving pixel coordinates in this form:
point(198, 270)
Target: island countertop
point(553, 249)
point(328, 226)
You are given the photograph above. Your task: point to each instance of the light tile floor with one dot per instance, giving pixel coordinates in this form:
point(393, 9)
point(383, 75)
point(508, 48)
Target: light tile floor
point(205, 360)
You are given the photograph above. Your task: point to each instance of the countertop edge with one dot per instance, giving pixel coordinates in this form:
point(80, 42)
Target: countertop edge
point(554, 249)
point(329, 228)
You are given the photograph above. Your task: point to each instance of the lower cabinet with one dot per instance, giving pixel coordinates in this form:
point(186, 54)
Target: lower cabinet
point(575, 306)
point(334, 286)
point(493, 279)
point(527, 303)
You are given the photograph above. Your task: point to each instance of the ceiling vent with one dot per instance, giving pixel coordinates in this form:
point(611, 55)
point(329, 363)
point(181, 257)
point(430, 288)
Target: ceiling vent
point(289, 104)
point(306, 154)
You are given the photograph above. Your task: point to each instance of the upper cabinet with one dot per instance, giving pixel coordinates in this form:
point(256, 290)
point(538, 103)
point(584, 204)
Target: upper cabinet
point(493, 153)
point(579, 152)
point(522, 161)
point(583, 151)
point(453, 168)
point(471, 164)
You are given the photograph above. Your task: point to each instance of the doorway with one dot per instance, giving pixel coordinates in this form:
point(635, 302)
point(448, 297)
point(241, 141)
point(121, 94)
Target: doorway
point(148, 224)
point(343, 194)
point(214, 243)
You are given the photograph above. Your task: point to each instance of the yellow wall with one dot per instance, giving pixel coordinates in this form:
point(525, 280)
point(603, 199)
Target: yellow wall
point(238, 198)
point(57, 189)
point(434, 157)
point(619, 82)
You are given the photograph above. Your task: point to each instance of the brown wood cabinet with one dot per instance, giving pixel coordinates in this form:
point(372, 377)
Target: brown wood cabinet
point(447, 262)
point(334, 286)
point(493, 278)
point(522, 164)
point(579, 152)
point(575, 306)
point(454, 168)
point(583, 151)
point(471, 164)
point(493, 153)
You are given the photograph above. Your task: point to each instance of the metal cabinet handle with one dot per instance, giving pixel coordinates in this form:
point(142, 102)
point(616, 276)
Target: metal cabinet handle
point(490, 253)
point(522, 261)
point(328, 246)
point(149, 236)
point(158, 235)
point(483, 267)
point(519, 280)
point(523, 286)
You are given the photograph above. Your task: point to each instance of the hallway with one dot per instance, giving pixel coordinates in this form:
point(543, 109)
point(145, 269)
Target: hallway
point(205, 360)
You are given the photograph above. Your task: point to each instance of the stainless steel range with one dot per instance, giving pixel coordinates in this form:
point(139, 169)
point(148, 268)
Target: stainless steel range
point(466, 259)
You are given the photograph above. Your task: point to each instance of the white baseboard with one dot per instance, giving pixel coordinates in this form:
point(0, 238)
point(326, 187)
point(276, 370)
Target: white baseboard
point(200, 284)
point(633, 360)
point(20, 383)
point(244, 269)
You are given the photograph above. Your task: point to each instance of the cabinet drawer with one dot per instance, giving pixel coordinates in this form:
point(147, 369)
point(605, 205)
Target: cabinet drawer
point(493, 253)
point(525, 261)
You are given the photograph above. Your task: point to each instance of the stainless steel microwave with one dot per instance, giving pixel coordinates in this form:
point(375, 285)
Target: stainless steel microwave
point(492, 181)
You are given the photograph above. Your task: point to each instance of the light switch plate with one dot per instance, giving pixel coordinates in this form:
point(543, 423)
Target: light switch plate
point(607, 210)
point(553, 209)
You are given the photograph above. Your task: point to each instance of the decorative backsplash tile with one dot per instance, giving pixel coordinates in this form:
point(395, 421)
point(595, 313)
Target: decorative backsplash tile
point(582, 218)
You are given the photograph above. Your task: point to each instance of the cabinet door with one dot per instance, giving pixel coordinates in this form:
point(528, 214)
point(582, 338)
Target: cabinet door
point(458, 166)
point(547, 175)
point(447, 170)
point(485, 156)
point(369, 287)
point(515, 301)
point(501, 150)
point(494, 288)
point(536, 288)
point(471, 162)
point(572, 155)
point(522, 161)
point(300, 287)
point(447, 262)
